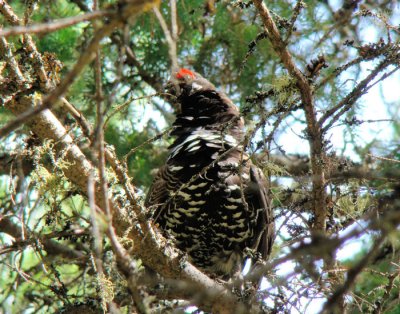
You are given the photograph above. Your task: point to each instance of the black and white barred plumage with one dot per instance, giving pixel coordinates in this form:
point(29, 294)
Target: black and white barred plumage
point(209, 196)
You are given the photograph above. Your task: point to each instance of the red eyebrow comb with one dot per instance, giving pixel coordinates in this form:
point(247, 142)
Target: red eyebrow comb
point(184, 72)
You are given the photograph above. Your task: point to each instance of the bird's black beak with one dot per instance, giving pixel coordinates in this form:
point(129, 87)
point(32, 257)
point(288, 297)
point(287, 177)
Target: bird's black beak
point(172, 90)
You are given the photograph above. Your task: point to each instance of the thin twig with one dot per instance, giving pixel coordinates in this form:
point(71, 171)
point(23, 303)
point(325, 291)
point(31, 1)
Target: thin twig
point(346, 103)
point(174, 21)
point(352, 274)
point(296, 12)
point(170, 40)
point(11, 63)
point(54, 25)
point(125, 104)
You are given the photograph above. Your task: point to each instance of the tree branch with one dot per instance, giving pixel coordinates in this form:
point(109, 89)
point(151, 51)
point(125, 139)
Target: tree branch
point(52, 247)
point(313, 128)
point(54, 25)
point(150, 246)
point(126, 12)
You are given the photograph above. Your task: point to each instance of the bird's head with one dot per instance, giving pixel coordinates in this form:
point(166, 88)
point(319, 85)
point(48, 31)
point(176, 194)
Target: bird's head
point(198, 103)
point(185, 82)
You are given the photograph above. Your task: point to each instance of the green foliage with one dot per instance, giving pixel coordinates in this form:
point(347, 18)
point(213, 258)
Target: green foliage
point(67, 36)
point(64, 41)
point(145, 158)
point(377, 286)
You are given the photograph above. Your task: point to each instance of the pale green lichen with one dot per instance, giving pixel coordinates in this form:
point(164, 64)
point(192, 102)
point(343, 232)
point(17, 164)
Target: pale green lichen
point(353, 204)
point(284, 88)
point(106, 290)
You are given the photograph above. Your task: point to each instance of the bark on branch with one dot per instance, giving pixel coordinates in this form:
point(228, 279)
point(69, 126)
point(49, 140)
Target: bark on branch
point(150, 246)
point(313, 128)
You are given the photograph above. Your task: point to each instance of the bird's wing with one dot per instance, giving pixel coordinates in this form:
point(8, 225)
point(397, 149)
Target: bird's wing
point(257, 198)
point(160, 191)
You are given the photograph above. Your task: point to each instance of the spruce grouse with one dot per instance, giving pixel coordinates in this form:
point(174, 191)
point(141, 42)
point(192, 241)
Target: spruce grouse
point(209, 196)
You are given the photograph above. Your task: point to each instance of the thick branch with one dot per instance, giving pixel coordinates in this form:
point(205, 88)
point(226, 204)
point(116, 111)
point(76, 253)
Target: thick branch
point(150, 246)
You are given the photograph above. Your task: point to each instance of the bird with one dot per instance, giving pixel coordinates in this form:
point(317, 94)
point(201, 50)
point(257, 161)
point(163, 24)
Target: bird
point(208, 196)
